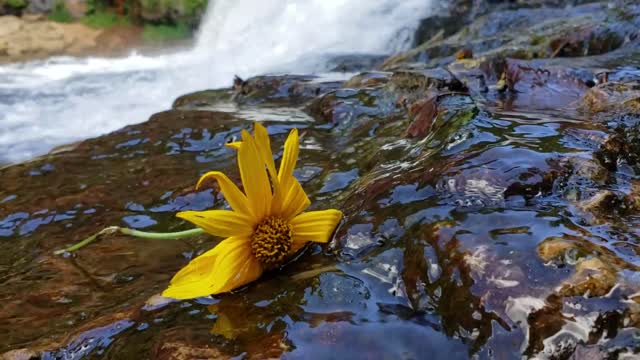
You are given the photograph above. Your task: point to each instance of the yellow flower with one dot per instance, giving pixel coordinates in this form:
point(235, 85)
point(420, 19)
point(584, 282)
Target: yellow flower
point(267, 224)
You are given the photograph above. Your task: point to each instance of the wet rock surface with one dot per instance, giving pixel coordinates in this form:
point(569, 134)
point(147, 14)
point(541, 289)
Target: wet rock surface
point(491, 210)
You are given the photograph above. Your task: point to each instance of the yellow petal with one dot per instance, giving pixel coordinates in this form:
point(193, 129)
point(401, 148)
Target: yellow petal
point(236, 199)
point(295, 202)
point(254, 177)
point(264, 147)
point(202, 265)
point(315, 226)
point(289, 159)
point(238, 271)
point(234, 145)
point(263, 144)
point(223, 223)
point(201, 277)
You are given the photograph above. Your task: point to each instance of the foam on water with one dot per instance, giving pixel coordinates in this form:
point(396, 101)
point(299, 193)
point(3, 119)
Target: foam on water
point(64, 99)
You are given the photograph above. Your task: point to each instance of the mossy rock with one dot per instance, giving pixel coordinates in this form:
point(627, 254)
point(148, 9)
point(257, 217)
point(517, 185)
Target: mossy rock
point(201, 99)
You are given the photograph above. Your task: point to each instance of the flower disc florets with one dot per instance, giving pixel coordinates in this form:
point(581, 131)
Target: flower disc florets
point(271, 241)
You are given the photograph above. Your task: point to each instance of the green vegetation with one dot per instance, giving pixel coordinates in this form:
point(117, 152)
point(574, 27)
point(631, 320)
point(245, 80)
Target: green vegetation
point(185, 8)
point(161, 33)
point(537, 40)
point(60, 13)
point(105, 19)
point(101, 15)
point(16, 4)
point(193, 7)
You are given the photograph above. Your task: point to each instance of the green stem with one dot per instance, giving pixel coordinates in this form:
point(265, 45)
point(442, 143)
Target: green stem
point(131, 232)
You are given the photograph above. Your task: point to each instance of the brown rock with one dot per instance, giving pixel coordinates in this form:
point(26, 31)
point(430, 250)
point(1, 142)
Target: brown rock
point(9, 25)
point(612, 97)
point(422, 112)
point(184, 351)
point(20, 354)
point(464, 54)
point(554, 247)
point(604, 202)
point(32, 17)
point(592, 278)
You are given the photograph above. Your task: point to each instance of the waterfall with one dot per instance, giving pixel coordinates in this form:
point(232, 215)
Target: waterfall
point(60, 100)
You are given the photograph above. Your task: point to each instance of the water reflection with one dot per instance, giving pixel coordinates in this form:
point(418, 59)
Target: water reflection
point(480, 239)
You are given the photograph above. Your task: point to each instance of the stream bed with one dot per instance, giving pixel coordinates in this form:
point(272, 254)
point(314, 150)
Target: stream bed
point(491, 206)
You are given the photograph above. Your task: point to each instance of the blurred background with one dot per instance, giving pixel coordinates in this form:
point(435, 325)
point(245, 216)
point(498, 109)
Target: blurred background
point(73, 69)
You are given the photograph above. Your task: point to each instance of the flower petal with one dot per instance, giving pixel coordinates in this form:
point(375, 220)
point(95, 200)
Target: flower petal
point(239, 273)
point(315, 226)
point(264, 147)
point(289, 159)
point(254, 177)
point(236, 199)
point(223, 223)
point(201, 277)
point(234, 145)
point(295, 202)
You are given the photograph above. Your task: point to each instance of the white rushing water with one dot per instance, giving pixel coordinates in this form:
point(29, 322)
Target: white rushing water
point(48, 103)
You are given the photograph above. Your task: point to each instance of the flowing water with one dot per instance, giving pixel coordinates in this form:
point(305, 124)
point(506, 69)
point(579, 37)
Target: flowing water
point(484, 237)
point(48, 103)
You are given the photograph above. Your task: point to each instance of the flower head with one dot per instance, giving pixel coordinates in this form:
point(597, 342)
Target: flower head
point(265, 227)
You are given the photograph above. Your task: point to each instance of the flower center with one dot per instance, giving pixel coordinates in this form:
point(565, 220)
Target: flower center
point(271, 241)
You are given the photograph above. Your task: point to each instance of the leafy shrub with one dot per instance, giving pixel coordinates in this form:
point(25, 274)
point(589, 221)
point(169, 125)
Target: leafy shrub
point(60, 13)
point(104, 19)
point(16, 4)
point(161, 33)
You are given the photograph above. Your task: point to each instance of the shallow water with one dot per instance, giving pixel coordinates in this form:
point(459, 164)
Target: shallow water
point(500, 230)
point(438, 252)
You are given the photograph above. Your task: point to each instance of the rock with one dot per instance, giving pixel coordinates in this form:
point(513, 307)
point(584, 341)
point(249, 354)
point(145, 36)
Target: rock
point(555, 248)
point(202, 99)
point(419, 80)
point(357, 62)
point(592, 278)
point(353, 108)
point(616, 97)
point(422, 114)
point(20, 354)
point(33, 17)
point(603, 203)
point(524, 32)
point(633, 198)
point(41, 6)
point(282, 89)
point(447, 182)
point(368, 79)
point(30, 38)
point(80, 39)
point(173, 350)
point(9, 25)
point(410, 55)
point(614, 148)
point(447, 17)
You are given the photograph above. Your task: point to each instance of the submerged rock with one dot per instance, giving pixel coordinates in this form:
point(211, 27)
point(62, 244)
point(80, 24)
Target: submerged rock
point(612, 97)
point(490, 208)
point(592, 278)
point(283, 90)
